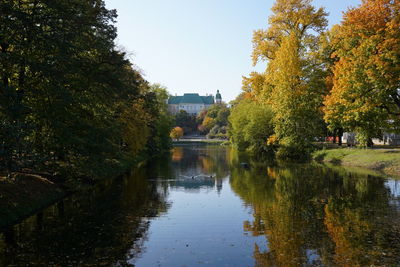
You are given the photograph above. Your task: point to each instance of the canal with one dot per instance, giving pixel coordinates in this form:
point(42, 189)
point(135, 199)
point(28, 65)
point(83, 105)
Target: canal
point(200, 206)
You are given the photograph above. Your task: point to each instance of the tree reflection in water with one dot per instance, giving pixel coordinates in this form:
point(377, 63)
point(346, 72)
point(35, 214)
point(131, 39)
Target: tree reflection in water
point(192, 168)
point(312, 215)
point(104, 226)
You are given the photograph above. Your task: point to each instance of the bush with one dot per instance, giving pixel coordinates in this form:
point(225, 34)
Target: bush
point(251, 127)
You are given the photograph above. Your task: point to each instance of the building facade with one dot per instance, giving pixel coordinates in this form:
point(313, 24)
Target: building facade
point(193, 104)
point(391, 139)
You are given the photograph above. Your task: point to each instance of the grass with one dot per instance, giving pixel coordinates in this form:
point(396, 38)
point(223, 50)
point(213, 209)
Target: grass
point(385, 160)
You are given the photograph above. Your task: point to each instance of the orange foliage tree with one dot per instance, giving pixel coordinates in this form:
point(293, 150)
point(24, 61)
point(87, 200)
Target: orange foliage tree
point(176, 133)
point(365, 97)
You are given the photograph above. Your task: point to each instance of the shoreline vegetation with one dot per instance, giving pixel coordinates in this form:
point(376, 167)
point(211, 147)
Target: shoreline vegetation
point(381, 160)
point(74, 109)
point(25, 194)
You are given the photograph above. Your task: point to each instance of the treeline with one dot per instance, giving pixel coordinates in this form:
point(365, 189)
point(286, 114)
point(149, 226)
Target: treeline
point(320, 81)
point(71, 103)
point(212, 122)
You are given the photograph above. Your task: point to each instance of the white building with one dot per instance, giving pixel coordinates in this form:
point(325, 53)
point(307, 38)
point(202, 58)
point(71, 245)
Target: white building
point(193, 104)
point(387, 139)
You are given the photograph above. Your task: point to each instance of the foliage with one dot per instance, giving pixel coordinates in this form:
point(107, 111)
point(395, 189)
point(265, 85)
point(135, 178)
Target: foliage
point(70, 101)
point(135, 121)
point(365, 97)
point(186, 121)
point(216, 117)
point(387, 160)
point(163, 123)
point(293, 84)
point(176, 133)
point(251, 126)
point(208, 123)
point(254, 84)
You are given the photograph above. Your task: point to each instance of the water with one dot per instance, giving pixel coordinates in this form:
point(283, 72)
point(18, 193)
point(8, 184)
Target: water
point(200, 207)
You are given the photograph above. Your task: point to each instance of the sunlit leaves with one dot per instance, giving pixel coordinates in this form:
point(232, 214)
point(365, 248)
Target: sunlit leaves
point(366, 49)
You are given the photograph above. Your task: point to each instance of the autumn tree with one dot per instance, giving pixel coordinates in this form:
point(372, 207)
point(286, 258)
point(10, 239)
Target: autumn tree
point(214, 121)
point(365, 97)
point(176, 133)
point(291, 86)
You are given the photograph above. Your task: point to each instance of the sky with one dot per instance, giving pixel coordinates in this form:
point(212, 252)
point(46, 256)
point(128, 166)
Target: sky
point(198, 46)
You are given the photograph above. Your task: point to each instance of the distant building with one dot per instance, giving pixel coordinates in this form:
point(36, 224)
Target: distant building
point(392, 139)
point(193, 104)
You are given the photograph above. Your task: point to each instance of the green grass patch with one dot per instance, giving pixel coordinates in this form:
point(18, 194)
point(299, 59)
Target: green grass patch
point(386, 160)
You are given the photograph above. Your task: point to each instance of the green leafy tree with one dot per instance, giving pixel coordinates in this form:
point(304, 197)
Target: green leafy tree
point(66, 91)
point(186, 121)
point(251, 126)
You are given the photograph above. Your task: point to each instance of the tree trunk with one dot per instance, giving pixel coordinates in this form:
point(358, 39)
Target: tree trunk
point(340, 135)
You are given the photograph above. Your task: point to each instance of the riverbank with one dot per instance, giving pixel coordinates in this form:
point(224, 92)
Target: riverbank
point(200, 141)
point(378, 159)
point(25, 194)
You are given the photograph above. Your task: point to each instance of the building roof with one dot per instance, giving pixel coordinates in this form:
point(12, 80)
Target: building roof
point(191, 99)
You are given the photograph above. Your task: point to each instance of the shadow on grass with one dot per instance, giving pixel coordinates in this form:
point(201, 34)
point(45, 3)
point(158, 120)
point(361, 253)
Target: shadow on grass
point(336, 161)
point(392, 152)
point(320, 157)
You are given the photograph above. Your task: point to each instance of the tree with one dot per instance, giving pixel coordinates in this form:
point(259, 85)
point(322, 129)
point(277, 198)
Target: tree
point(365, 97)
point(176, 133)
point(163, 123)
point(291, 87)
point(251, 126)
point(67, 93)
point(186, 122)
point(254, 84)
point(137, 130)
point(216, 118)
point(208, 123)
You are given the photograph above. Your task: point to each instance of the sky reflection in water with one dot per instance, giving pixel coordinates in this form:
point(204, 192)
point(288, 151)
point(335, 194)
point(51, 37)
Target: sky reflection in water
point(201, 207)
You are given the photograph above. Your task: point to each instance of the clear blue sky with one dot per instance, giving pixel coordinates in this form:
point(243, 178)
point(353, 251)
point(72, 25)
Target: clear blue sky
point(198, 46)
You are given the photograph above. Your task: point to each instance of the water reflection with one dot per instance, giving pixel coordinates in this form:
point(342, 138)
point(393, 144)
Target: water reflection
point(203, 205)
point(192, 168)
point(315, 216)
point(104, 226)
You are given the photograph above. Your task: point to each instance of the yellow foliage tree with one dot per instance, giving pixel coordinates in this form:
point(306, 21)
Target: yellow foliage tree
point(290, 87)
point(208, 123)
point(136, 120)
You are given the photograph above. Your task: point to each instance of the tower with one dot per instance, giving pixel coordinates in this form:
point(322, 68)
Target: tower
point(218, 98)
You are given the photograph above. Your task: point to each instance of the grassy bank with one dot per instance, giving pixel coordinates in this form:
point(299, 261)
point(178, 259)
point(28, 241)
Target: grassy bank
point(25, 194)
point(384, 160)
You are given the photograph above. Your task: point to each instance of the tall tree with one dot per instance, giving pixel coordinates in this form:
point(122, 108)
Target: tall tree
point(65, 89)
point(292, 83)
point(365, 97)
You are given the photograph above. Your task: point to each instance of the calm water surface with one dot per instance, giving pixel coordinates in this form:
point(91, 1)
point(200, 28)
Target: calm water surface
point(200, 207)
